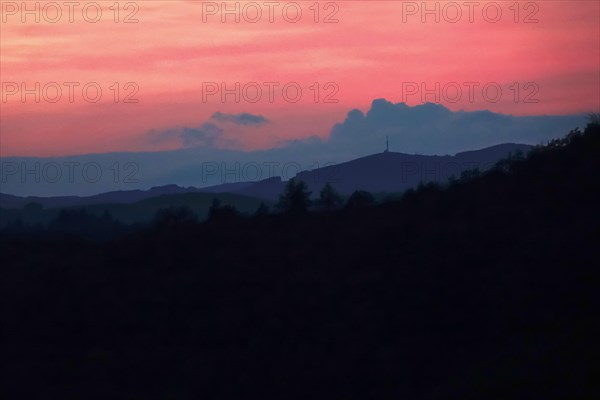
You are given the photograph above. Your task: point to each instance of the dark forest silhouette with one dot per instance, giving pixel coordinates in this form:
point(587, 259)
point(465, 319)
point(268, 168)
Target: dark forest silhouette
point(484, 288)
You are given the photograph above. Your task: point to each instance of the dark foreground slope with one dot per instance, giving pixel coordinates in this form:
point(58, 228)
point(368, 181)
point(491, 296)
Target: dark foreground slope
point(487, 290)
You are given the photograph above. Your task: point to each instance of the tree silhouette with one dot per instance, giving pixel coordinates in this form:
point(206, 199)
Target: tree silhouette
point(593, 120)
point(82, 223)
point(173, 216)
point(329, 199)
point(360, 199)
point(218, 212)
point(295, 198)
point(263, 209)
point(469, 174)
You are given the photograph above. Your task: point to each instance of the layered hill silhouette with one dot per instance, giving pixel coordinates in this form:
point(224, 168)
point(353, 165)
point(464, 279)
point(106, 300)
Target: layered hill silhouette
point(485, 288)
point(384, 172)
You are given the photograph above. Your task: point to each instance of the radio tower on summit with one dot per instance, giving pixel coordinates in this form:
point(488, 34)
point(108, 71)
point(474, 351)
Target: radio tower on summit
point(387, 144)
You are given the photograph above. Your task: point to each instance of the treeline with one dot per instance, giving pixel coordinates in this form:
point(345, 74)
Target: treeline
point(296, 199)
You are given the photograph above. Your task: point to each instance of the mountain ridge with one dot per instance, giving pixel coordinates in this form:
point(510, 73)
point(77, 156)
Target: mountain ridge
point(376, 173)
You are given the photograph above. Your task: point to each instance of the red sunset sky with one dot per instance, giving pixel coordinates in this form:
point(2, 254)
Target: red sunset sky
point(373, 49)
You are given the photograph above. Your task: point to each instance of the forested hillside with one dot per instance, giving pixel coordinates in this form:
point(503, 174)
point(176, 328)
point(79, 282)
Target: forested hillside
point(486, 288)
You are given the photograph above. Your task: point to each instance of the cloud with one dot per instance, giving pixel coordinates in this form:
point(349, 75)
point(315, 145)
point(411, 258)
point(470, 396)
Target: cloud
point(221, 130)
point(245, 119)
point(426, 129)
point(203, 136)
point(433, 129)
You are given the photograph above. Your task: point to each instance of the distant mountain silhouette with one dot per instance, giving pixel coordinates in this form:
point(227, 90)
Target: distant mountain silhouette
point(396, 172)
point(386, 172)
point(116, 197)
point(383, 172)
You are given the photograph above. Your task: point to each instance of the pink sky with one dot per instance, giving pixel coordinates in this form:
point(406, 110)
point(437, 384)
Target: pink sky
point(374, 48)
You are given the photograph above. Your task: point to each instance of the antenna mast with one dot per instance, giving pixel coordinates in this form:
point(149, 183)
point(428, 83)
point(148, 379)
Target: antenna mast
point(387, 144)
